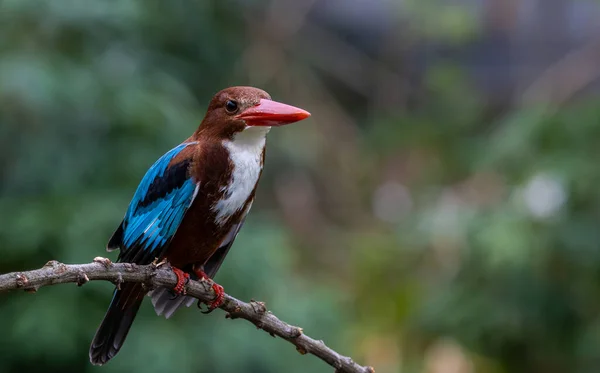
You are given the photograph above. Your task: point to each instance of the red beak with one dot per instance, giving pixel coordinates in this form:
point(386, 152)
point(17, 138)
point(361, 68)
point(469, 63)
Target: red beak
point(272, 113)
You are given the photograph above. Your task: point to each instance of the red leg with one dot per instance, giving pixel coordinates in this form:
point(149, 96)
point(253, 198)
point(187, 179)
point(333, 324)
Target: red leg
point(201, 275)
point(182, 278)
point(218, 289)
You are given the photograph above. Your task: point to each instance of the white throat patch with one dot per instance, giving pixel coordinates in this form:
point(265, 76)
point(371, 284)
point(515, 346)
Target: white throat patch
point(245, 152)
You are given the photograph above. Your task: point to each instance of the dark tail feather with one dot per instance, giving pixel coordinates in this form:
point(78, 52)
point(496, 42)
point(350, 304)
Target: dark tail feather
point(116, 239)
point(118, 319)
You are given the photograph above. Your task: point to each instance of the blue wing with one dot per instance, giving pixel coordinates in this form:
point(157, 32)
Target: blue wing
point(156, 209)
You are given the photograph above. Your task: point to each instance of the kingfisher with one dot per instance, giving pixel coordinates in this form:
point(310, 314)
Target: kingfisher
point(190, 206)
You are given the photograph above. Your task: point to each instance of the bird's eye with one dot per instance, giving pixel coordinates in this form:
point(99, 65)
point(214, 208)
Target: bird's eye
point(231, 106)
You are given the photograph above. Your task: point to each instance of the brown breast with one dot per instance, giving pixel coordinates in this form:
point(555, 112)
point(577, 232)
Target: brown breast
point(199, 235)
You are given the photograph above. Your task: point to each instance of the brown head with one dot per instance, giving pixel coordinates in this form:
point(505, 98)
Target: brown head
point(236, 109)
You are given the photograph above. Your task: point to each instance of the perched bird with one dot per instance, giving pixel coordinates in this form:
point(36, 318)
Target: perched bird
point(190, 205)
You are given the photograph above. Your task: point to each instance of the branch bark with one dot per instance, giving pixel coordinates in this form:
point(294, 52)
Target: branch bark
point(152, 276)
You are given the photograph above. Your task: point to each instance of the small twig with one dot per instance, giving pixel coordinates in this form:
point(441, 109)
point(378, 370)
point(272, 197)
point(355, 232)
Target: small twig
point(256, 312)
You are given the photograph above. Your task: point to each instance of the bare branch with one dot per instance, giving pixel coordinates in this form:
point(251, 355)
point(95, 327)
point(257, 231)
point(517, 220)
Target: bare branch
point(256, 312)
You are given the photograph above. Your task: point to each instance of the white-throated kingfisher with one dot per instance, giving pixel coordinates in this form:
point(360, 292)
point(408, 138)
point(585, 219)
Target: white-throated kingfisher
point(190, 205)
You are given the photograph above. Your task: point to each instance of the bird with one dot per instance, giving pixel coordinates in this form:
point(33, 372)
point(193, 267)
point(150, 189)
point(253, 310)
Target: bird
point(189, 207)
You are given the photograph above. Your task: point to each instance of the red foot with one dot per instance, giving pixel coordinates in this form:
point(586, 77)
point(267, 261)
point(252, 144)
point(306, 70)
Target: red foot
point(219, 296)
point(218, 289)
point(182, 278)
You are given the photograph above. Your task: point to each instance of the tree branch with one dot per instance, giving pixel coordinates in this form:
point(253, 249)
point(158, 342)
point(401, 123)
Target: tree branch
point(152, 277)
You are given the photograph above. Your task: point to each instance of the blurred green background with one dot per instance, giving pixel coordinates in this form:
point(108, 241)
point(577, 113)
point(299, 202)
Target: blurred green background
point(438, 213)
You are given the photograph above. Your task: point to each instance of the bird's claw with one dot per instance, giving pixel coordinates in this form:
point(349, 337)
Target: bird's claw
point(218, 289)
point(200, 305)
point(158, 264)
point(182, 279)
point(219, 297)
